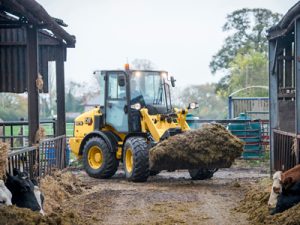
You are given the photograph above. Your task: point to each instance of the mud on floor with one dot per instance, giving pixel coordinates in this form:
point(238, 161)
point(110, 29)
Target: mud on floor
point(169, 198)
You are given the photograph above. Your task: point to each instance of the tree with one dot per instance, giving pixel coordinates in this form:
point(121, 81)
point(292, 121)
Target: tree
point(248, 32)
point(245, 70)
point(13, 106)
point(211, 106)
point(73, 101)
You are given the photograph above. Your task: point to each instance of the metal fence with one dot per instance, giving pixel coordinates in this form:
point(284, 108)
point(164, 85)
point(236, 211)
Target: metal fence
point(286, 150)
point(39, 160)
point(25, 160)
point(15, 133)
point(256, 107)
point(52, 155)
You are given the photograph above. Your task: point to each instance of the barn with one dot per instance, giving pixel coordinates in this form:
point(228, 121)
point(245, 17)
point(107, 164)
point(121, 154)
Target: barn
point(284, 91)
point(29, 39)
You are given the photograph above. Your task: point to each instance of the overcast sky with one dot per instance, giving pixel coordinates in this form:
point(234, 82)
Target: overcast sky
point(179, 36)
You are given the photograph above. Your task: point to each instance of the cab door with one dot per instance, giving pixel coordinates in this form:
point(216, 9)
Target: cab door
point(116, 103)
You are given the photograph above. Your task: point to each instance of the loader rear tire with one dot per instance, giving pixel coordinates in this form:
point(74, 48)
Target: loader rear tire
point(136, 159)
point(98, 160)
point(202, 174)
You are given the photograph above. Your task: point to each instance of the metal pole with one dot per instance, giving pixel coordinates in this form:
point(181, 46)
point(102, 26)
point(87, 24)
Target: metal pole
point(297, 83)
point(273, 94)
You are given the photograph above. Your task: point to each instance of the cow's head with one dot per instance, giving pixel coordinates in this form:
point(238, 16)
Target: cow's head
point(5, 194)
point(19, 183)
point(276, 189)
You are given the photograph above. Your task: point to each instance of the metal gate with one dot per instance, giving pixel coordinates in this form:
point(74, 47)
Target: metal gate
point(256, 107)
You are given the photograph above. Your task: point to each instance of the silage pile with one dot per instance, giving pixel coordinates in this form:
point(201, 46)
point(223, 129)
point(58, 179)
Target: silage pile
point(212, 146)
point(3, 158)
point(58, 188)
point(12, 215)
point(255, 204)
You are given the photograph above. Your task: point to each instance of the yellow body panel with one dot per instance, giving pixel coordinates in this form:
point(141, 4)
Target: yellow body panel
point(75, 145)
point(157, 127)
point(84, 123)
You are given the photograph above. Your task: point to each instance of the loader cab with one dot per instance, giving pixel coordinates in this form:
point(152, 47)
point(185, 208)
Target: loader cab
point(124, 92)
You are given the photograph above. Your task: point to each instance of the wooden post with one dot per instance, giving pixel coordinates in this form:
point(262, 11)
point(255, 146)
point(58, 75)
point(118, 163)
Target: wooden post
point(32, 75)
point(60, 91)
point(273, 93)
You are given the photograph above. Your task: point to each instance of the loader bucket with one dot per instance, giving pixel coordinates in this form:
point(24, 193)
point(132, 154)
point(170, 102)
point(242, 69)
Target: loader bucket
point(211, 146)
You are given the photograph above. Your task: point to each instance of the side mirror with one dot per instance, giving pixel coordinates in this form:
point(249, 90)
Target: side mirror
point(193, 105)
point(173, 81)
point(121, 81)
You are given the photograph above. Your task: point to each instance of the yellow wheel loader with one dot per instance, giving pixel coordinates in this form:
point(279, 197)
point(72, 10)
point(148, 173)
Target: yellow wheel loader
point(135, 113)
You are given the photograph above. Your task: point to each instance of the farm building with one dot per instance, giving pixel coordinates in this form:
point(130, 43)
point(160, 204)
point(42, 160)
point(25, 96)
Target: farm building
point(29, 39)
point(284, 76)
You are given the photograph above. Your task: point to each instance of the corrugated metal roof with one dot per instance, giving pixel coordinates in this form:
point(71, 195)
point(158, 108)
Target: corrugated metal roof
point(31, 12)
point(286, 23)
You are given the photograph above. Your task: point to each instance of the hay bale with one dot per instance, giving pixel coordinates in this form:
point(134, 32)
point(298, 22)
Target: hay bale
point(3, 158)
point(212, 146)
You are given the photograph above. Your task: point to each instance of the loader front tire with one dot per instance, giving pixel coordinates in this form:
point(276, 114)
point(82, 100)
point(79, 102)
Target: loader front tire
point(98, 160)
point(136, 159)
point(202, 174)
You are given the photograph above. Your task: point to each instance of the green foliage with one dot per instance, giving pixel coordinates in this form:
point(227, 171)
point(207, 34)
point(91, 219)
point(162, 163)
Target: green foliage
point(12, 106)
point(211, 106)
point(247, 28)
point(246, 70)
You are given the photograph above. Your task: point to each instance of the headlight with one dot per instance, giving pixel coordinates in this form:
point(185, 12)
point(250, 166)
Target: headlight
point(164, 75)
point(136, 106)
point(193, 105)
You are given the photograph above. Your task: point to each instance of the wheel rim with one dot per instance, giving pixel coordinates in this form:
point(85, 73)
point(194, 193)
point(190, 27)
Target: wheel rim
point(95, 157)
point(129, 160)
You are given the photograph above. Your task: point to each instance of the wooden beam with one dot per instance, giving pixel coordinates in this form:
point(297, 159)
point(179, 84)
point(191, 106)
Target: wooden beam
point(288, 65)
point(32, 75)
point(60, 91)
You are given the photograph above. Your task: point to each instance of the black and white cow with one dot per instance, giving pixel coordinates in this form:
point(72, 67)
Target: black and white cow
point(5, 194)
point(25, 192)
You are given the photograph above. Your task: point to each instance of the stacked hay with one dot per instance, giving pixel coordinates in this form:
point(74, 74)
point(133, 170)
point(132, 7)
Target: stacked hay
point(255, 204)
point(3, 158)
point(58, 188)
point(212, 146)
